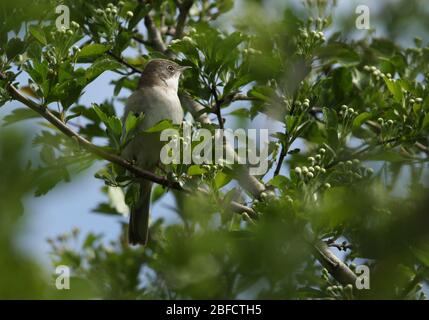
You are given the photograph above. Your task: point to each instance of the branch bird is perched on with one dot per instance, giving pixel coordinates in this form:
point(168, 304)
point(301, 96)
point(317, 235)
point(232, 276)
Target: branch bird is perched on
point(157, 98)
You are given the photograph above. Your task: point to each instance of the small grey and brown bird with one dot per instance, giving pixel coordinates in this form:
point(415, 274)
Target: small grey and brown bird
point(156, 96)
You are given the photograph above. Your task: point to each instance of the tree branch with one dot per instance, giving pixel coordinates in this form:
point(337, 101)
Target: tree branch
point(125, 63)
point(335, 266)
point(154, 35)
point(183, 15)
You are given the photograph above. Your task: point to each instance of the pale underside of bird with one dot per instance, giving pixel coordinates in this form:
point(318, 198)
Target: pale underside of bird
point(157, 98)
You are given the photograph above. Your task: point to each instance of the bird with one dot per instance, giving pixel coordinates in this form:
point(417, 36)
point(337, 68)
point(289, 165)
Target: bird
point(157, 97)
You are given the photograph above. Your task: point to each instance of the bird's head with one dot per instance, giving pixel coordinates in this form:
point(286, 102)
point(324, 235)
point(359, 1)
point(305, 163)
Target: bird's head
point(162, 72)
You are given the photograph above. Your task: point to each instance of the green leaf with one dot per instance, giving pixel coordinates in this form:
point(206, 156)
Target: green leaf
point(262, 93)
point(157, 193)
point(339, 53)
point(425, 123)
point(106, 175)
point(38, 34)
point(395, 88)
point(15, 46)
point(360, 119)
point(48, 178)
point(422, 254)
point(99, 66)
point(19, 115)
point(105, 208)
point(195, 170)
point(131, 122)
point(160, 126)
point(331, 126)
point(113, 123)
point(91, 238)
point(103, 117)
point(92, 50)
point(385, 155)
point(242, 113)
point(290, 122)
point(222, 179)
point(330, 117)
point(280, 182)
point(47, 154)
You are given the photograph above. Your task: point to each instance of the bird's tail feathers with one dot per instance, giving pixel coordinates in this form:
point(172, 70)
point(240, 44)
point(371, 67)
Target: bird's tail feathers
point(138, 228)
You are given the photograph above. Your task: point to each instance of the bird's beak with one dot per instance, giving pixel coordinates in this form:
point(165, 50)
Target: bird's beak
point(184, 68)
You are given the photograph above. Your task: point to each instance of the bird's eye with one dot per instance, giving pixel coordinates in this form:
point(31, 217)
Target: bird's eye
point(170, 68)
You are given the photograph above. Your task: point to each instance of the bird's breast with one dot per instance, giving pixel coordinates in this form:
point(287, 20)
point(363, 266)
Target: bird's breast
point(157, 103)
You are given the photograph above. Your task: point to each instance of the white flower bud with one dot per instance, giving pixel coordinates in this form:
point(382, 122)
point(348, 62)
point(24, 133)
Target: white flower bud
point(99, 11)
point(304, 169)
point(130, 14)
point(327, 185)
point(311, 159)
point(317, 168)
point(322, 150)
point(309, 175)
point(419, 100)
point(298, 170)
point(323, 170)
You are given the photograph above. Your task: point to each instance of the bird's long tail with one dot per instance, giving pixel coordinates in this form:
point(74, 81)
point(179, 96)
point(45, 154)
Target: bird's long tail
point(138, 228)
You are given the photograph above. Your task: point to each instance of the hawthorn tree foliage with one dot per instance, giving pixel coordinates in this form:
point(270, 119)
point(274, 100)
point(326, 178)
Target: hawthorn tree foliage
point(347, 158)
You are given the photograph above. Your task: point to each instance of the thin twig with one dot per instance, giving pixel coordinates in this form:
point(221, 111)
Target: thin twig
point(125, 63)
point(218, 108)
point(283, 153)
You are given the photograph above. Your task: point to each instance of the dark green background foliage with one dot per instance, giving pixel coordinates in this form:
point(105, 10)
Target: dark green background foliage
point(353, 116)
